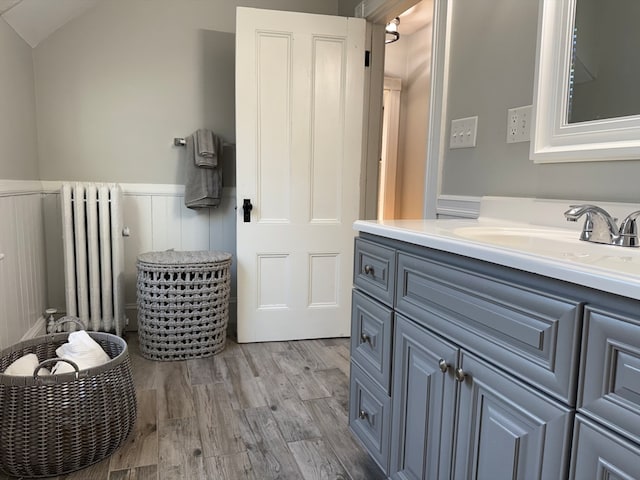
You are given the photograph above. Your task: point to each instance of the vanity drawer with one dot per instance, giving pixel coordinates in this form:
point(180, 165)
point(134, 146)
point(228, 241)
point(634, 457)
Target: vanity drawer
point(370, 416)
point(371, 327)
point(610, 379)
point(374, 270)
point(492, 312)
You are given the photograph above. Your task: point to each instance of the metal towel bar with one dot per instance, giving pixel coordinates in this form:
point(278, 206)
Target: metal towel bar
point(181, 142)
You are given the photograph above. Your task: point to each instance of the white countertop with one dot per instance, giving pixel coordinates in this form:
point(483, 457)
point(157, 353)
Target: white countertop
point(544, 250)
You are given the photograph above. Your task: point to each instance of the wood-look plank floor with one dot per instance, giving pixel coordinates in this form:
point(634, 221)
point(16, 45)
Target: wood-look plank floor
point(255, 411)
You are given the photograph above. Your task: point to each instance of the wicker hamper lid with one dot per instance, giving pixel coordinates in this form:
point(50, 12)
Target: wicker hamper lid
point(174, 257)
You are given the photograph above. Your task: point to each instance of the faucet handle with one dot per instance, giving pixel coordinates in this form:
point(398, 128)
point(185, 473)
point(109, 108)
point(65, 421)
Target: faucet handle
point(628, 235)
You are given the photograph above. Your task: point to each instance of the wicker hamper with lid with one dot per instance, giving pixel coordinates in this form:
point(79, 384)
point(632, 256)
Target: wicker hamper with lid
point(183, 303)
point(58, 424)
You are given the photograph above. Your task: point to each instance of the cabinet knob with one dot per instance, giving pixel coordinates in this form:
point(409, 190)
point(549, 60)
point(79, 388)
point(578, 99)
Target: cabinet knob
point(368, 269)
point(363, 415)
point(460, 374)
point(365, 338)
point(442, 363)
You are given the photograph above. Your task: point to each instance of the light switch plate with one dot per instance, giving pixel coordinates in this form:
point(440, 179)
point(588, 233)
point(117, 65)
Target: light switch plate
point(463, 132)
point(519, 124)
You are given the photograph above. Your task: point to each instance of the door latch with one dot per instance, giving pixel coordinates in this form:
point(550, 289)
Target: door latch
point(246, 208)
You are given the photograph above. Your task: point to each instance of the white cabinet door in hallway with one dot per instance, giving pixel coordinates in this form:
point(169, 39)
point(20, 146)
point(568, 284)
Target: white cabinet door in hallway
point(299, 118)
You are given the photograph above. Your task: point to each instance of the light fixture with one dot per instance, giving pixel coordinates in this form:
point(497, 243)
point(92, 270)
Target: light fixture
point(391, 31)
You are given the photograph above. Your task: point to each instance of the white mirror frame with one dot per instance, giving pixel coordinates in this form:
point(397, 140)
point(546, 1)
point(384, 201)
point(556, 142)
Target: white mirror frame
point(553, 139)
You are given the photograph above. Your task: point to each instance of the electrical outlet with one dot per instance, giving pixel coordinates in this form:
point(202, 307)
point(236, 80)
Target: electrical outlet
point(519, 124)
point(463, 132)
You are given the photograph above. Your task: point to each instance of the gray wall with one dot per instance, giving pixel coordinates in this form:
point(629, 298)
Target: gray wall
point(114, 86)
point(492, 69)
point(18, 150)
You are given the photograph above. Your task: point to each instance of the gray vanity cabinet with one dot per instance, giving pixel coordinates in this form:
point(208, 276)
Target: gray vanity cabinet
point(465, 369)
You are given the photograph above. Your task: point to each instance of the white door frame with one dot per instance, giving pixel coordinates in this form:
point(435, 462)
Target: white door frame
point(441, 41)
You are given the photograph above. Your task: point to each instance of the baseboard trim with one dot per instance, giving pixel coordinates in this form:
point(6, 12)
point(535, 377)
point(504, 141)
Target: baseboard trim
point(37, 329)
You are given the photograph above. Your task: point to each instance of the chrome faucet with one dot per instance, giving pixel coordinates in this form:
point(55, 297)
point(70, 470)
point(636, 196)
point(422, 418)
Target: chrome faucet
point(600, 227)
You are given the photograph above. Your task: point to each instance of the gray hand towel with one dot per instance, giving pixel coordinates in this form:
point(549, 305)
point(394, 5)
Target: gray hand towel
point(203, 186)
point(208, 148)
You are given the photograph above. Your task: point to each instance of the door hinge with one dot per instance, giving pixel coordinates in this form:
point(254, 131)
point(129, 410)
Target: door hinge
point(367, 57)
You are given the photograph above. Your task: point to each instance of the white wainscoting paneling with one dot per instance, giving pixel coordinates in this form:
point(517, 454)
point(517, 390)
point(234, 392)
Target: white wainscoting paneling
point(22, 268)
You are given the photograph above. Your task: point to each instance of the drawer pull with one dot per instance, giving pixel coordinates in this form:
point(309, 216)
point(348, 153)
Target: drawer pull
point(363, 415)
point(365, 338)
point(442, 363)
point(460, 374)
point(368, 270)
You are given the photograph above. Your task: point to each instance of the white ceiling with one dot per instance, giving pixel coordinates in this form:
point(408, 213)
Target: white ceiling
point(35, 20)
point(417, 17)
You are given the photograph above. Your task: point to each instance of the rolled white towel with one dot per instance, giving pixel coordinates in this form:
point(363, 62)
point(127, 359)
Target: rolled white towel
point(81, 349)
point(23, 366)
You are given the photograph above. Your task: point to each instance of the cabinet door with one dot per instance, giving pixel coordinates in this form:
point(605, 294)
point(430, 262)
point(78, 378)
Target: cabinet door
point(505, 429)
point(423, 403)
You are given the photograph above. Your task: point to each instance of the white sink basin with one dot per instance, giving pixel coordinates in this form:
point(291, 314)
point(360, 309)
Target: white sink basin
point(518, 237)
point(554, 242)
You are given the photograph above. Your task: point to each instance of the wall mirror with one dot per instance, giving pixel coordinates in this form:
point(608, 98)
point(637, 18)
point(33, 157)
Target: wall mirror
point(587, 86)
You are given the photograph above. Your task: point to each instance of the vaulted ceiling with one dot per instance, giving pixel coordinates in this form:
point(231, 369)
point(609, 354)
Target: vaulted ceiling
point(35, 20)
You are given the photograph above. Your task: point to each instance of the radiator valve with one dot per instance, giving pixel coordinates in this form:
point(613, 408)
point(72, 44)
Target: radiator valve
point(50, 312)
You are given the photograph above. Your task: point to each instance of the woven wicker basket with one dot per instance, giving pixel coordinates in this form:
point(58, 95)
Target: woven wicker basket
point(183, 303)
point(59, 424)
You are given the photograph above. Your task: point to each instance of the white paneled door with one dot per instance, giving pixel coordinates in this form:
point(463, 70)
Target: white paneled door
point(299, 118)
